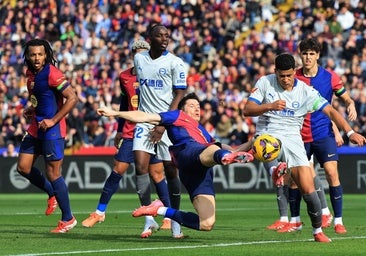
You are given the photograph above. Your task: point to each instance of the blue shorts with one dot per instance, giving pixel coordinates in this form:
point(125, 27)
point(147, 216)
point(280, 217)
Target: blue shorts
point(52, 150)
point(324, 150)
point(196, 178)
point(126, 155)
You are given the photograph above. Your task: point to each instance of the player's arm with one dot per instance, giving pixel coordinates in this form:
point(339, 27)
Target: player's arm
point(133, 116)
point(350, 105)
point(342, 124)
point(178, 96)
point(251, 108)
point(337, 135)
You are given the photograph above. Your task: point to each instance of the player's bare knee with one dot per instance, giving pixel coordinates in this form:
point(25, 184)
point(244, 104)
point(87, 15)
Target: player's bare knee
point(207, 225)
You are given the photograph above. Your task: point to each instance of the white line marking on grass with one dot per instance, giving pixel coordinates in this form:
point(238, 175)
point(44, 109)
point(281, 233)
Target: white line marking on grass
point(181, 247)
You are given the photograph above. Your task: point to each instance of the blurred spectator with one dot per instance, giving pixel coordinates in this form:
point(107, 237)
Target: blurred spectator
point(10, 150)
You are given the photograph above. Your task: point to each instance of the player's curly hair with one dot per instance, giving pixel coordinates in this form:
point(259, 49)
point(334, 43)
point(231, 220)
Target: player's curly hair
point(190, 96)
point(50, 59)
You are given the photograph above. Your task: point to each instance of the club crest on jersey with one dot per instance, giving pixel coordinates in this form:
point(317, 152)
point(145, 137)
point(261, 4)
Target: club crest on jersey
point(34, 101)
point(31, 85)
point(162, 71)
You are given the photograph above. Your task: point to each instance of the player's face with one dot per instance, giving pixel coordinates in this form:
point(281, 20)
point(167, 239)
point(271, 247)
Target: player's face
point(160, 38)
point(192, 108)
point(37, 56)
point(309, 59)
point(286, 78)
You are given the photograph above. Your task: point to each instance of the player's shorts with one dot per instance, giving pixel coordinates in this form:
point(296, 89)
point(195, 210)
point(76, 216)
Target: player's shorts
point(126, 155)
point(293, 151)
point(142, 142)
point(196, 178)
point(52, 150)
point(324, 150)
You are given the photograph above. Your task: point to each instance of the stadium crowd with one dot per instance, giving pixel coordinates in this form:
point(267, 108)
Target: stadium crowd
point(226, 45)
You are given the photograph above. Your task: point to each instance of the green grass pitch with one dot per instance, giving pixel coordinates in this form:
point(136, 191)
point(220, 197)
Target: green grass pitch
point(240, 229)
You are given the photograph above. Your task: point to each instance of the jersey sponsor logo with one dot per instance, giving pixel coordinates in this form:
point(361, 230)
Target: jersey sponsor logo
point(158, 84)
point(182, 75)
point(135, 101)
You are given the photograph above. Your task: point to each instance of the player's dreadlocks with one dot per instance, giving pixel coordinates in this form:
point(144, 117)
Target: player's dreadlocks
point(50, 59)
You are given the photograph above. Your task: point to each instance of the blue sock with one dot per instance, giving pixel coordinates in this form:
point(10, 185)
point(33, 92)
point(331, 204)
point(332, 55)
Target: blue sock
point(294, 197)
point(163, 193)
point(186, 219)
point(110, 187)
point(336, 198)
point(62, 196)
point(219, 154)
point(38, 179)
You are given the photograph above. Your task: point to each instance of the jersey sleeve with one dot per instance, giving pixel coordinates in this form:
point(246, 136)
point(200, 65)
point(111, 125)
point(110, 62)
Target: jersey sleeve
point(258, 92)
point(57, 79)
point(315, 100)
point(179, 74)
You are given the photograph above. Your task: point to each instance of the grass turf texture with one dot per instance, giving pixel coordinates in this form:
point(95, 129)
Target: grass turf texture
point(240, 229)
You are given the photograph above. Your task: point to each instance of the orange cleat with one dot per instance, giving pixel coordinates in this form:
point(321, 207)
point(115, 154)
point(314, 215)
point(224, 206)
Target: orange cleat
point(166, 224)
point(340, 229)
point(237, 157)
point(290, 227)
point(65, 226)
point(277, 225)
point(93, 219)
point(327, 220)
point(277, 175)
point(51, 205)
point(149, 210)
point(322, 238)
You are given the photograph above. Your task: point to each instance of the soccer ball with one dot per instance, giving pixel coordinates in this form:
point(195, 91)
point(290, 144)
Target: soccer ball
point(266, 148)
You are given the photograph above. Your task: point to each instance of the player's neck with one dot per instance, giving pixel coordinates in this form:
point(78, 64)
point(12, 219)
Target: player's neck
point(312, 72)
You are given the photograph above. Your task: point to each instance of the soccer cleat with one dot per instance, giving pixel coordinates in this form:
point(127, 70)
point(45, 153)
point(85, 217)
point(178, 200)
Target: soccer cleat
point(340, 229)
point(237, 157)
point(149, 210)
point(149, 228)
point(277, 225)
point(290, 227)
point(322, 238)
point(65, 226)
point(179, 236)
point(166, 224)
point(51, 205)
point(278, 173)
point(327, 220)
point(93, 219)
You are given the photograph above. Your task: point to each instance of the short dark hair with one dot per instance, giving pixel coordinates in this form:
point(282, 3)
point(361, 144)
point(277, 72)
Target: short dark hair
point(190, 96)
point(284, 61)
point(310, 44)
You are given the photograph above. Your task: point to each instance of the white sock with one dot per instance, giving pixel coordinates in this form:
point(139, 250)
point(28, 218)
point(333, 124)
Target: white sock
point(162, 211)
point(338, 220)
point(99, 212)
point(325, 211)
point(317, 230)
point(284, 218)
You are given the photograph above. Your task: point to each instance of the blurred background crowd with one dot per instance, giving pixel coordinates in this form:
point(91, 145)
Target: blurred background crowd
point(226, 45)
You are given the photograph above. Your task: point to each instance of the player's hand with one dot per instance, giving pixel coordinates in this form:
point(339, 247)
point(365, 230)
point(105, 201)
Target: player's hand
point(156, 133)
point(352, 113)
point(278, 105)
point(339, 139)
point(358, 139)
point(118, 140)
point(104, 111)
point(45, 124)
point(28, 114)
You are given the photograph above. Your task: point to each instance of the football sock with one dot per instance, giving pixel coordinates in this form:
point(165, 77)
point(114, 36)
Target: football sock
point(319, 189)
point(336, 198)
point(143, 188)
point(174, 187)
point(219, 154)
point(110, 187)
point(314, 209)
point(294, 196)
point(282, 197)
point(62, 196)
point(163, 193)
point(187, 219)
point(38, 179)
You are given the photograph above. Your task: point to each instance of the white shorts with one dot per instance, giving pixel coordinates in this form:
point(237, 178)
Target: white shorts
point(293, 151)
point(142, 142)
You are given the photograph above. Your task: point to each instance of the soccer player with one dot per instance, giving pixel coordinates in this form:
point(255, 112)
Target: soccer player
point(52, 98)
point(162, 77)
point(194, 152)
point(125, 156)
point(317, 131)
point(281, 101)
